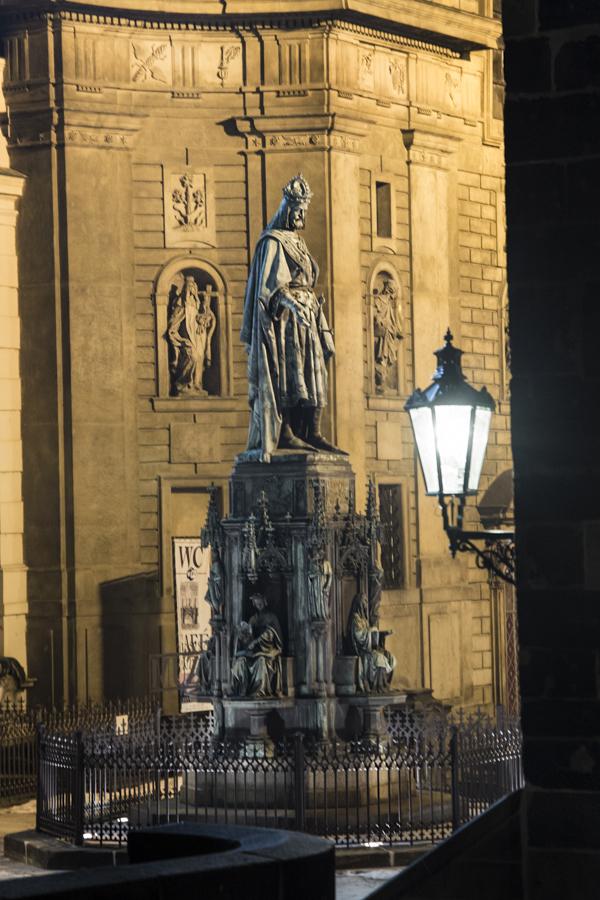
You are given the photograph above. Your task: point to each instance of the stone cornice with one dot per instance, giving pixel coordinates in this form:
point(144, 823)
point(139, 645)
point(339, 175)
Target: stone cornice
point(416, 20)
point(12, 181)
point(86, 129)
point(326, 131)
point(429, 148)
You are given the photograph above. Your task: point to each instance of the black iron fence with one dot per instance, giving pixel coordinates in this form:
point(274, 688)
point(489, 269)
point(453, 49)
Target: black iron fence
point(418, 783)
point(18, 745)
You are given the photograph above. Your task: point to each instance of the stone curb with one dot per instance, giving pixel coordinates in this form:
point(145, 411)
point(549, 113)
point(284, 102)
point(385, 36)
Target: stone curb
point(379, 857)
point(47, 852)
point(171, 860)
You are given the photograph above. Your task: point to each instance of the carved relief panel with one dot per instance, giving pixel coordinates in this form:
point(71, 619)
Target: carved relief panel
point(382, 72)
point(448, 88)
point(386, 330)
point(189, 208)
point(150, 62)
point(206, 65)
point(366, 68)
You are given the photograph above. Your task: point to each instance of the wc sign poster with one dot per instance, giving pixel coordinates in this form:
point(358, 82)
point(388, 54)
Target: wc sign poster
point(190, 578)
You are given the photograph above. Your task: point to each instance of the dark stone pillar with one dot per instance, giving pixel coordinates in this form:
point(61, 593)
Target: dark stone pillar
point(553, 211)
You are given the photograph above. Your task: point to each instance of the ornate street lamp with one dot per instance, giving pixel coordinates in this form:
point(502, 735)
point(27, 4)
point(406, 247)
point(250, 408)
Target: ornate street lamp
point(451, 423)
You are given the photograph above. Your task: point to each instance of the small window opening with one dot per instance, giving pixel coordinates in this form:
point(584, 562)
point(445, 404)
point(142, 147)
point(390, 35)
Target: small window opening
point(383, 194)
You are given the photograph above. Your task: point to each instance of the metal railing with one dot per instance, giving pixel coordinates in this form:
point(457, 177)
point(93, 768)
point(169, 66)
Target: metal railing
point(419, 783)
point(18, 744)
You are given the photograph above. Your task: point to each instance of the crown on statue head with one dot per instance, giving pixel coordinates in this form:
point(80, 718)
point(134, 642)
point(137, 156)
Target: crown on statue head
point(297, 191)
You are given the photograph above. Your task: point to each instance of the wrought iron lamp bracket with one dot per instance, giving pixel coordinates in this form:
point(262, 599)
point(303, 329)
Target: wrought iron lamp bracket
point(496, 556)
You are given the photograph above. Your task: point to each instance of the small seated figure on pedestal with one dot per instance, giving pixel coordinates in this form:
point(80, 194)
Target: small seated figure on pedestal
point(375, 664)
point(256, 668)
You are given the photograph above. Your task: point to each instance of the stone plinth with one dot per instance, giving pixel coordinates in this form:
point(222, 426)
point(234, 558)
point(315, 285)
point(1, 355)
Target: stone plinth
point(287, 483)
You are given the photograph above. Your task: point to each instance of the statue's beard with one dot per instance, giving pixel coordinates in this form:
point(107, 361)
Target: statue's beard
point(295, 226)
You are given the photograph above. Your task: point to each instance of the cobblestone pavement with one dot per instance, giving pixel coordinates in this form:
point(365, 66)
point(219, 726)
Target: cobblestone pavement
point(16, 818)
point(349, 885)
point(357, 884)
point(10, 869)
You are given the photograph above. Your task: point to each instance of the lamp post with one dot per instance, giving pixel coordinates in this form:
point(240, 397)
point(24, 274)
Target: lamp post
point(451, 423)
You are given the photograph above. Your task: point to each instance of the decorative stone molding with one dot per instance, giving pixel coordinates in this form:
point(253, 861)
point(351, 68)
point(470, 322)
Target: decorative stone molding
point(339, 132)
point(92, 137)
point(295, 140)
point(186, 95)
point(292, 141)
point(35, 139)
point(451, 32)
point(292, 92)
point(428, 148)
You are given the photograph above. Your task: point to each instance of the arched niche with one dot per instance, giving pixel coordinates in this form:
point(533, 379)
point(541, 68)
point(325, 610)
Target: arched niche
point(192, 330)
point(385, 329)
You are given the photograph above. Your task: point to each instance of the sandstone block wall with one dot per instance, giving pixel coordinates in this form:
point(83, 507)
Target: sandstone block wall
point(370, 115)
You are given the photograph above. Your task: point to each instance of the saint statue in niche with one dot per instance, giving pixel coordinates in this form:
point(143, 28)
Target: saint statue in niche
point(375, 664)
point(286, 335)
point(320, 577)
point(190, 328)
point(387, 332)
point(256, 667)
point(215, 588)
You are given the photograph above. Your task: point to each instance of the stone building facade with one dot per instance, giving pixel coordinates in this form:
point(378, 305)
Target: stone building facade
point(155, 138)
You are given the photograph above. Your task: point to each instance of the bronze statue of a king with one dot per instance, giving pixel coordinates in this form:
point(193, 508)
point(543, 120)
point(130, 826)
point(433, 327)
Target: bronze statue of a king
point(286, 335)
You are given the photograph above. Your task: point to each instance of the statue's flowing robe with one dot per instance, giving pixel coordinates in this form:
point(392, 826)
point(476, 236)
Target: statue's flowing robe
point(387, 330)
point(360, 635)
point(190, 332)
point(286, 359)
point(265, 664)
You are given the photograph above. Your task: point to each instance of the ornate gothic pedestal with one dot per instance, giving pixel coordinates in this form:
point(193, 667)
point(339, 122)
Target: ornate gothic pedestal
point(293, 536)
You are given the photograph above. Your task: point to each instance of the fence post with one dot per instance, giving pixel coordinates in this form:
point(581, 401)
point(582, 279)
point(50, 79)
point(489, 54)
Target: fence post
point(454, 777)
point(39, 793)
point(78, 790)
point(299, 780)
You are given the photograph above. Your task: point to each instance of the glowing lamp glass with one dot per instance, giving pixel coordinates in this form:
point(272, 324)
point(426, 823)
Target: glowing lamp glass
point(481, 431)
point(451, 425)
point(422, 423)
point(451, 442)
